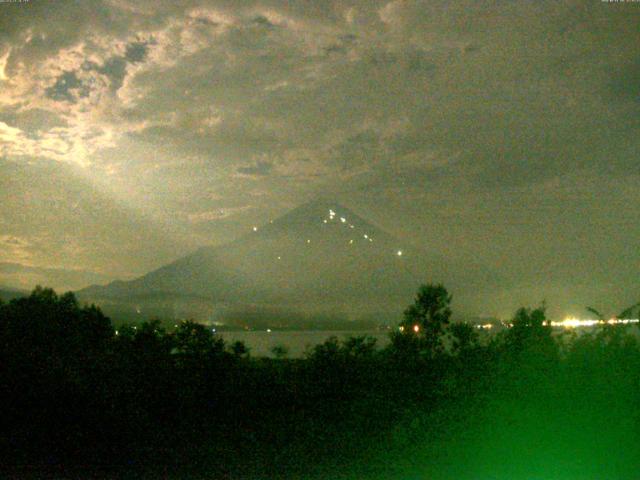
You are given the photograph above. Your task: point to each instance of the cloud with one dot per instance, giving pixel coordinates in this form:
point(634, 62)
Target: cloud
point(217, 214)
point(174, 109)
point(68, 87)
point(15, 248)
point(16, 143)
point(279, 78)
point(3, 65)
point(259, 168)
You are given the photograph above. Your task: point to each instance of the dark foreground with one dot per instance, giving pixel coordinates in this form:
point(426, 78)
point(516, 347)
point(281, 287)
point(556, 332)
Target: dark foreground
point(80, 401)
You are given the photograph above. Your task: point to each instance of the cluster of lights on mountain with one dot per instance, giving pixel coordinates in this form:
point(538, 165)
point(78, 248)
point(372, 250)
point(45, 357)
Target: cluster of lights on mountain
point(342, 220)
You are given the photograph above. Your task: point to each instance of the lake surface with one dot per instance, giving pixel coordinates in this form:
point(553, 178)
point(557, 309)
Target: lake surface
point(261, 342)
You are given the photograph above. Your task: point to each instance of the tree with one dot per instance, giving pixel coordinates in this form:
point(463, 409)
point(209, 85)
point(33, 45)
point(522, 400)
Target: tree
point(150, 339)
point(359, 346)
point(97, 328)
point(428, 318)
point(195, 339)
point(54, 326)
point(279, 351)
point(465, 338)
point(530, 336)
point(239, 349)
point(328, 351)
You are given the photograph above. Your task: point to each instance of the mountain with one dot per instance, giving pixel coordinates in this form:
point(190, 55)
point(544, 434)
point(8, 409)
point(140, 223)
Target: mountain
point(319, 258)
point(25, 276)
point(8, 293)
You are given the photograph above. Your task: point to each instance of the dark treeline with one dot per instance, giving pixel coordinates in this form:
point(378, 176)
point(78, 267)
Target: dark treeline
point(79, 400)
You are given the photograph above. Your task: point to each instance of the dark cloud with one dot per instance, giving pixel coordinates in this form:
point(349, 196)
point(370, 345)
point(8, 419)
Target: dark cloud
point(32, 120)
point(69, 88)
point(115, 68)
point(260, 168)
point(262, 21)
point(342, 45)
point(136, 52)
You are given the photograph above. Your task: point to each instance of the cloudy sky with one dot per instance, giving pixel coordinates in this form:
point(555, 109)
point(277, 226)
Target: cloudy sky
point(132, 132)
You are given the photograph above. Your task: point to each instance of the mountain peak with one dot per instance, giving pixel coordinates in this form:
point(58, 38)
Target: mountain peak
point(320, 215)
point(321, 206)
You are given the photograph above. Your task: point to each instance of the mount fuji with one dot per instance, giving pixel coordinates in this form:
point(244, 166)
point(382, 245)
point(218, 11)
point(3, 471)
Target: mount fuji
point(320, 258)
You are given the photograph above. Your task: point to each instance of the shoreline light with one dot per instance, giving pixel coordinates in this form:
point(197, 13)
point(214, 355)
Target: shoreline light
point(486, 326)
point(572, 322)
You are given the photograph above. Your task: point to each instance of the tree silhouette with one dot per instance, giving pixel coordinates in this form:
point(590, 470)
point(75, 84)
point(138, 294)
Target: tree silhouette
point(465, 337)
point(279, 351)
point(426, 320)
point(150, 340)
point(359, 346)
point(628, 312)
point(530, 337)
point(195, 339)
point(239, 349)
point(327, 351)
point(45, 328)
point(597, 313)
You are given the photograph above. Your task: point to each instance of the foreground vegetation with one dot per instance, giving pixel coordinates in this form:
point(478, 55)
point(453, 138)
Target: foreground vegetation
point(80, 400)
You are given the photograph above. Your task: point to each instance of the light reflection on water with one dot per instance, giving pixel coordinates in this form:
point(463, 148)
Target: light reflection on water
point(261, 342)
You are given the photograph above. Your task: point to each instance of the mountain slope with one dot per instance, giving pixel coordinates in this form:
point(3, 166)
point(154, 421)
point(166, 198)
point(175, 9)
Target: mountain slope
point(8, 293)
point(318, 257)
